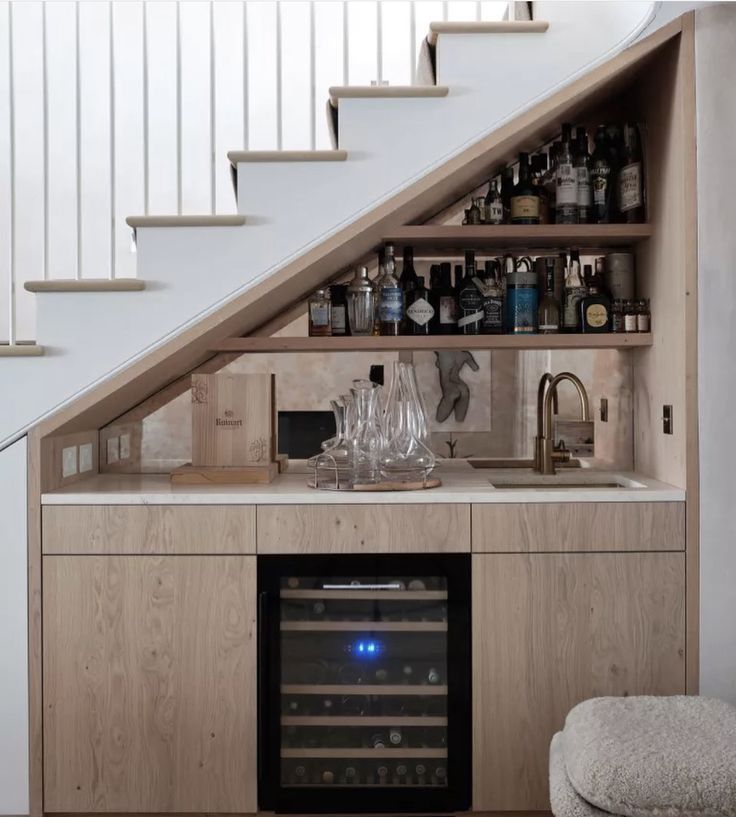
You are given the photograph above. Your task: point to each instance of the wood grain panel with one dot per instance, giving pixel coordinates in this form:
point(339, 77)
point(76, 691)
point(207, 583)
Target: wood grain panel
point(578, 526)
point(363, 528)
point(165, 529)
point(550, 631)
point(149, 684)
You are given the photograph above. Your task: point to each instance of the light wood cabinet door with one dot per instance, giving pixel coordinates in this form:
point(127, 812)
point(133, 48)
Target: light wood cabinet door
point(149, 683)
point(550, 631)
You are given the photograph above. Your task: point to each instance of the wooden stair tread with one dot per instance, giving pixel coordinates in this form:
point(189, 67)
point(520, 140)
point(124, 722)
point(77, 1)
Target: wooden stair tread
point(338, 92)
point(185, 221)
point(237, 156)
point(86, 285)
point(485, 27)
point(21, 350)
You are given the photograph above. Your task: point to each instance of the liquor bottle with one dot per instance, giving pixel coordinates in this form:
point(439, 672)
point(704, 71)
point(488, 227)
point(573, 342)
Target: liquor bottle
point(566, 205)
point(507, 190)
point(376, 289)
point(521, 297)
point(419, 310)
point(408, 277)
point(320, 314)
point(575, 291)
point(338, 296)
point(582, 175)
point(434, 276)
point(443, 301)
point(492, 322)
point(549, 306)
point(525, 197)
point(474, 215)
point(615, 145)
point(549, 181)
point(494, 204)
point(469, 300)
point(390, 296)
point(600, 178)
point(539, 170)
point(631, 178)
point(595, 307)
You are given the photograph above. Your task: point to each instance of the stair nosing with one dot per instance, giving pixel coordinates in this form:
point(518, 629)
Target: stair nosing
point(86, 285)
point(21, 350)
point(245, 156)
point(485, 27)
point(338, 92)
point(137, 222)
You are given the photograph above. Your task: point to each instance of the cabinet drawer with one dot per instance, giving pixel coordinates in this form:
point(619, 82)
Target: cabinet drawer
point(142, 529)
point(578, 526)
point(363, 528)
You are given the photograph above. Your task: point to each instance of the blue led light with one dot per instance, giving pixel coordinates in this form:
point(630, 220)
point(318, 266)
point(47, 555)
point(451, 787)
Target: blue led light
point(366, 648)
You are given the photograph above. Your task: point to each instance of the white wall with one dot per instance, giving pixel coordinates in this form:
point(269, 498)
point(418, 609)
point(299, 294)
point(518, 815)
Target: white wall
point(716, 101)
point(13, 632)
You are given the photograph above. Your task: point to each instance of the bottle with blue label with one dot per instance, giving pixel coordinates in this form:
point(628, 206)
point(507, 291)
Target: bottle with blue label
point(522, 296)
point(390, 296)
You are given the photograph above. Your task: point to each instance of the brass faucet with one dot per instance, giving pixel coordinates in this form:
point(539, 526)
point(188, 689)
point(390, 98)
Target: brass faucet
point(545, 455)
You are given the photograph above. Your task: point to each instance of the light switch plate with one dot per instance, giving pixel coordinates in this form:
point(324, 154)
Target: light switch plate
point(113, 449)
point(125, 446)
point(85, 458)
point(69, 461)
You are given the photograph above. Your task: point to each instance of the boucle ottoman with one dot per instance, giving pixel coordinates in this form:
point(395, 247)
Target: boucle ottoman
point(645, 757)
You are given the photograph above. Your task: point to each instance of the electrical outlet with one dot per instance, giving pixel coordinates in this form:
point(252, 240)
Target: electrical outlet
point(113, 449)
point(125, 446)
point(85, 458)
point(69, 461)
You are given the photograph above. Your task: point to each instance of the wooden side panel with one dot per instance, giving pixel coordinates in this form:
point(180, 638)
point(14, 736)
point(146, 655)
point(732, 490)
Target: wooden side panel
point(551, 630)
point(363, 528)
point(149, 684)
point(165, 529)
point(579, 526)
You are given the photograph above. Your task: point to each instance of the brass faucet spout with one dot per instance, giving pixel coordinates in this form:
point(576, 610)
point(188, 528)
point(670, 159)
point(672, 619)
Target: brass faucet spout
point(544, 454)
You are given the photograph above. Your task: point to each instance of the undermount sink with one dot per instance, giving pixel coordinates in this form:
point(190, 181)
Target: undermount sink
point(578, 481)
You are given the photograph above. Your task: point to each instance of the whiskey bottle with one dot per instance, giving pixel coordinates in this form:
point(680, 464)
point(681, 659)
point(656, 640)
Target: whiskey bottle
point(600, 178)
point(494, 204)
point(525, 197)
point(507, 191)
point(566, 205)
point(469, 300)
point(419, 310)
point(582, 175)
point(631, 178)
point(492, 322)
point(338, 296)
point(320, 314)
point(444, 304)
point(575, 291)
point(390, 296)
point(595, 307)
point(549, 306)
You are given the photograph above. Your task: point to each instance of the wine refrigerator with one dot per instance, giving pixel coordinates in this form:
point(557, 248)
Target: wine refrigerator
point(364, 683)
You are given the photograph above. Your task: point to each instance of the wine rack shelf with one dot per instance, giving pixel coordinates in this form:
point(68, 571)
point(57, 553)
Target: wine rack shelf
point(344, 753)
point(362, 720)
point(254, 345)
point(363, 626)
point(363, 689)
point(517, 237)
point(367, 595)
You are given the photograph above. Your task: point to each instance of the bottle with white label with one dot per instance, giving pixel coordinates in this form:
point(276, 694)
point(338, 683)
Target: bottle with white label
point(631, 178)
point(444, 303)
point(390, 296)
point(469, 300)
point(575, 290)
point(566, 203)
point(419, 310)
point(320, 314)
point(492, 323)
point(493, 204)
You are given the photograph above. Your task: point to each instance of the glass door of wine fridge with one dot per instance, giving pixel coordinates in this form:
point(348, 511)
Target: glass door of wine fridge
point(364, 683)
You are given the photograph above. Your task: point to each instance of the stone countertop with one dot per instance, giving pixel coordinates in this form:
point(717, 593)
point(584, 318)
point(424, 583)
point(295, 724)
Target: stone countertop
point(461, 483)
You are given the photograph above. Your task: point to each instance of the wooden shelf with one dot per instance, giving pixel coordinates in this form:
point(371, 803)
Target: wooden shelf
point(254, 345)
point(341, 752)
point(517, 237)
point(366, 595)
point(362, 720)
point(365, 626)
point(363, 689)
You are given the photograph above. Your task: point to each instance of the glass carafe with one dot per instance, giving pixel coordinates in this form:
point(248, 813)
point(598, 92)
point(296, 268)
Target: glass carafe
point(366, 437)
point(406, 454)
point(333, 468)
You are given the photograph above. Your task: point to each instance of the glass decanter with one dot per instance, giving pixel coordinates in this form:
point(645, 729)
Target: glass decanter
point(366, 437)
point(333, 468)
point(406, 454)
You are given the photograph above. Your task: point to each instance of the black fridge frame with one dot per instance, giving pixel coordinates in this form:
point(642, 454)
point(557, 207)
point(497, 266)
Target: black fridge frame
point(457, 796)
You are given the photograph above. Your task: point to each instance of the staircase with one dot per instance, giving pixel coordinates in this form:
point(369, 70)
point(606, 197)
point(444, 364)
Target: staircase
point(290, 203)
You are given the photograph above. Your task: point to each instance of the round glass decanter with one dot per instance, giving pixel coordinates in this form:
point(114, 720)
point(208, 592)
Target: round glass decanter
point(366, 437)
point(406, 454)
point(333, 468)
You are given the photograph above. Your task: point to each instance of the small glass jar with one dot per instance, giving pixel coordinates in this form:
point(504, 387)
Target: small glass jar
point(617, 316)
point(630, 317)
point(320, 315)
point(643, 316)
